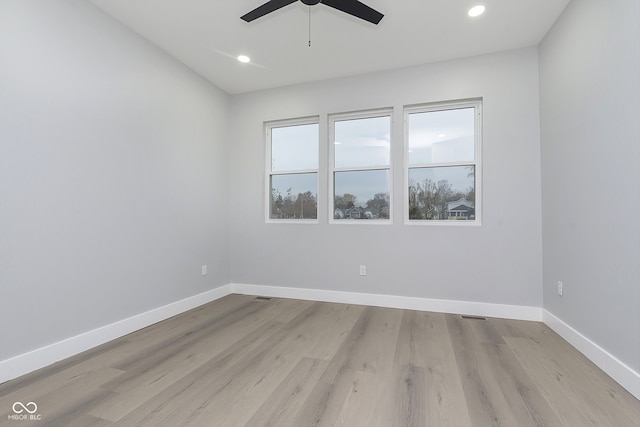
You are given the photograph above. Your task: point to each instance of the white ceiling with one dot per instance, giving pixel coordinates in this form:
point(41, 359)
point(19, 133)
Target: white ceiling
point(207, 36)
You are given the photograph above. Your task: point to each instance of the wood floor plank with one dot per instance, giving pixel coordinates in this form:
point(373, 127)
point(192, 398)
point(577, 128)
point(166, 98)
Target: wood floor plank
point(281, 362)
point(525, 401)
point(577, 399)
point(550, 377)
point(175, 398)
point(185, 355)
point(194, 348)
point(226, 397)
point(410, 397)
point(336, 330)
point(486, 404)
point(424, 341)
point(485, 331)
point(364, 404)
point(412, 344)
point(446, 402)
point(365, 350)
point(520, 328)
point(600, 391)
point(284, 402)
point(148, 354)
point(80, 420)
point(147, 340)
point(283, 354)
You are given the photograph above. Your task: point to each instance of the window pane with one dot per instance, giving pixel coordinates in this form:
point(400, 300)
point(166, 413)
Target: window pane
point(294, 148)
point(442, 193)
point(294, 196)
point(361, 194)
point(362, 142)
point(441, 136)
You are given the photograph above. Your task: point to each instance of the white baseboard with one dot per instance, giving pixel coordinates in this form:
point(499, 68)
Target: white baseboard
point(620, 372)
point(47, 355)
point(44, 356)
point(394, 301)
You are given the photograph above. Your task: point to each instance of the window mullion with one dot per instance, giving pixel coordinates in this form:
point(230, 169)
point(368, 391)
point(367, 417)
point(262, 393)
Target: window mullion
point(363, 168)
point(294, 172)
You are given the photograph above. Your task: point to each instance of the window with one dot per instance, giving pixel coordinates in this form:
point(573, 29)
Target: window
point(360, 153)
point(442, 147)
point(292, 170)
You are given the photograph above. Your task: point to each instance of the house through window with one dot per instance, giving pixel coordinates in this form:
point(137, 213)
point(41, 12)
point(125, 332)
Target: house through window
point(443, 162)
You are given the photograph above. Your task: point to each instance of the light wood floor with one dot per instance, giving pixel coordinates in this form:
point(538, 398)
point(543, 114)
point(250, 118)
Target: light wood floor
point(245, 361)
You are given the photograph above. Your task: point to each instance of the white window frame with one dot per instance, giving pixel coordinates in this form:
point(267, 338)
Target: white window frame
point(477, 162)
point(354, 115)
point(268, 127)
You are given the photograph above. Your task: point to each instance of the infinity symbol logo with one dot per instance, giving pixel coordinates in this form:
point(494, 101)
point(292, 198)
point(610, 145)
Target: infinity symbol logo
point(22, 407)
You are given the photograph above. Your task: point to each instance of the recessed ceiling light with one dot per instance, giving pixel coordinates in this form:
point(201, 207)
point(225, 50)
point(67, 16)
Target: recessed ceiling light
point(244, 58)
point(476, 11)
point(442, 135)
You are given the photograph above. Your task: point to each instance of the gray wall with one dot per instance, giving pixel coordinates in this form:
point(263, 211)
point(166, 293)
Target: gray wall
point(500, 262)
point(113, 175)
point(590, 138)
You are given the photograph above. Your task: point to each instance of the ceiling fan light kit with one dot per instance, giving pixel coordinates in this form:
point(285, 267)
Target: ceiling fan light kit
point(351, 7)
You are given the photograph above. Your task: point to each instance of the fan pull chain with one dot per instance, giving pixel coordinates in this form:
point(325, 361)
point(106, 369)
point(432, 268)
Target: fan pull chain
point(309, 26)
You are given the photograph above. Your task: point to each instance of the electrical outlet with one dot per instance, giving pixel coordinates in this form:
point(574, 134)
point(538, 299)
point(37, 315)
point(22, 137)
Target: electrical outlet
point(204, 270)
point(560, 288)
point(363, 270)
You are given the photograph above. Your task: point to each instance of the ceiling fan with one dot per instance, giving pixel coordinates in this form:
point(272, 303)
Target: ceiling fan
point(352, 7)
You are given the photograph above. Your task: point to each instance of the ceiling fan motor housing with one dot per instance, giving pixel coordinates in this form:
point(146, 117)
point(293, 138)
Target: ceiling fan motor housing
point(310, 2)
